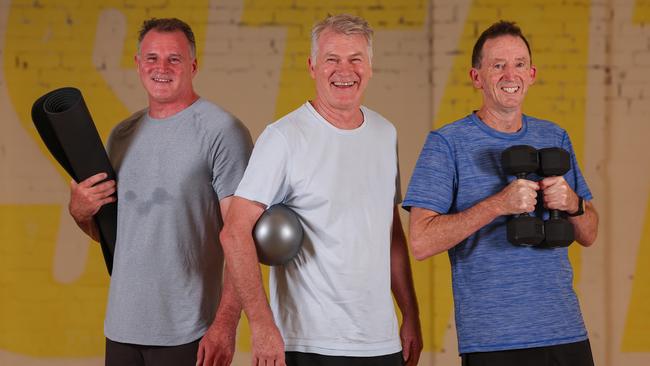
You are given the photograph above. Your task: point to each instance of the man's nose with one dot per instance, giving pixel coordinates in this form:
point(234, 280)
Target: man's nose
point(509, 72)
point(344, 66)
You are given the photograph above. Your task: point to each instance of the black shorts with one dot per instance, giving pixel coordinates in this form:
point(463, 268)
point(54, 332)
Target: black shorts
point(314, 359)
point(571, 354)
point(126, 354)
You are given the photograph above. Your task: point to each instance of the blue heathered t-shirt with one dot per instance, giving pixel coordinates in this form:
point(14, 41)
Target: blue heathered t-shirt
point(505, 296)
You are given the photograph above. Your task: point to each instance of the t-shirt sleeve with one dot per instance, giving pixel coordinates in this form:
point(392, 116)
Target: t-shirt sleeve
point(229, 158)
point(266, 177)
point(575, 178)
point(398, 180)
point(110, 146)
point(433, 180)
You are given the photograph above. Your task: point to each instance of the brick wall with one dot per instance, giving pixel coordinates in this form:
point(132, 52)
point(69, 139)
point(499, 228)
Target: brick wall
point(593, 60)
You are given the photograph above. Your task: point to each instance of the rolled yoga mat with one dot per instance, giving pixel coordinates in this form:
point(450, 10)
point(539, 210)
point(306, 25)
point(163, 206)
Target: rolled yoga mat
point(64, 123)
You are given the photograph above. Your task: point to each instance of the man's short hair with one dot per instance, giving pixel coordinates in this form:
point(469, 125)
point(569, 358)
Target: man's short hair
point(498, 29)
point(342, 23)
point(167, 25)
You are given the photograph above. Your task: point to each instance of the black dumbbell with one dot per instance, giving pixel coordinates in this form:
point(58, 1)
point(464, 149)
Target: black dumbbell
point(523, 229)
point(558, 231)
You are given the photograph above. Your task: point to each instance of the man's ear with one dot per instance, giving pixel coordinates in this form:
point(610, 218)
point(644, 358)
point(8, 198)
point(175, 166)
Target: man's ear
point(310, 65)
point(476, 79)
point(533, 74)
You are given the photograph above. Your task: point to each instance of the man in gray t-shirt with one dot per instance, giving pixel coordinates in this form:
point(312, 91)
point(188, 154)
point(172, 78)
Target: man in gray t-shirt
point(178, 163)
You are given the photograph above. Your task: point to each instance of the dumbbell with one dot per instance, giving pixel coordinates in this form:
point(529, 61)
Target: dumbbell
point(523, 229)
point(558, 231)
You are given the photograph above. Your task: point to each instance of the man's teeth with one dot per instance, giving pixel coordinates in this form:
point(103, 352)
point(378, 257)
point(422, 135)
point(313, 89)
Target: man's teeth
point(510, 90)
point(160, 80)
point(343, 83)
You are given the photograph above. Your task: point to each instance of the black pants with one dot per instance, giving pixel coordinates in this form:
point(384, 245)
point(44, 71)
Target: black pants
point(313, 359)
point(125, 354)
point(571, 354)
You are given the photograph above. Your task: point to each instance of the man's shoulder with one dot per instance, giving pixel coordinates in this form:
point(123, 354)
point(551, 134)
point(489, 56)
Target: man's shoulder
point(292, 121)
point(460, 129)
point(539, 123)
point(213, 112)
point(456, 127)
point(206, 106)
point(215, 118)
point(129, 123)
point(300, 113)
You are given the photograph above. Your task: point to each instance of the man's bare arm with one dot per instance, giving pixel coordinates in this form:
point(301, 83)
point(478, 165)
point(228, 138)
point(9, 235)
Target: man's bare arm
point(433, 233)
point(242, 263)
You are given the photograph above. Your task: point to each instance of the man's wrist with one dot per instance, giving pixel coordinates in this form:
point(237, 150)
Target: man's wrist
point(493, 205)
point(580, 210)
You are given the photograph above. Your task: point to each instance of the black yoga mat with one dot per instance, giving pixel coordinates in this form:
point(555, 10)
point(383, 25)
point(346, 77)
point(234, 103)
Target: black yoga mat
point(64, 123)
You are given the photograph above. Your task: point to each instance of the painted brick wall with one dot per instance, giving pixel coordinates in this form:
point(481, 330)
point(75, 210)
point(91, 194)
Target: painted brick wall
point(593, 60)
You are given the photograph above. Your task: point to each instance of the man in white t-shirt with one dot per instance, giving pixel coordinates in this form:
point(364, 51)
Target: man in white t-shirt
point(334, 162)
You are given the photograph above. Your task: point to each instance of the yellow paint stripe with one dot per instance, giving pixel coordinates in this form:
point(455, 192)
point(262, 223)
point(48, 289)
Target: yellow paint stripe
point(641, 12)
point(38, 316)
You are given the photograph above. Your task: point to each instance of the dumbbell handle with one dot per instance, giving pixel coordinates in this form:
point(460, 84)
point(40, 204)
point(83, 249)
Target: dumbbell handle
point(554, 214)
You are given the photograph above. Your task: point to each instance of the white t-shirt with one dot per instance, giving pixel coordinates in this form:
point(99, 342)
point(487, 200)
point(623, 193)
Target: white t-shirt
point(334, 297)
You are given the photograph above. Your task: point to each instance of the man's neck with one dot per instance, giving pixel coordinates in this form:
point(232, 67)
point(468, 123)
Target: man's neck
point(502, 121)
point(163, 110)
point(339, 118)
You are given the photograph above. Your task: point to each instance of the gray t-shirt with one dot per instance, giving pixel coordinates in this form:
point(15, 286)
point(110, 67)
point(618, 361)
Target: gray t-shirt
point(168, 264)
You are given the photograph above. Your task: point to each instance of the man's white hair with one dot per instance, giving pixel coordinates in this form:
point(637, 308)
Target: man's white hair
point(345, 24)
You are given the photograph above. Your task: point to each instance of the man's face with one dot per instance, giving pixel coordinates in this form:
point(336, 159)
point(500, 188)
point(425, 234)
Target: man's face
point(505, 73)
point(166, 66)
point(341, 70)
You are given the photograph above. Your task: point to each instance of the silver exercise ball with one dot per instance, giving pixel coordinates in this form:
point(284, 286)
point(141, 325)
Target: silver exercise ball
point(278, 235)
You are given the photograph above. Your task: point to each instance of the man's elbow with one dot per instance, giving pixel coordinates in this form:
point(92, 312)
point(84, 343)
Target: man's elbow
point(587, 240)
point(419, 249)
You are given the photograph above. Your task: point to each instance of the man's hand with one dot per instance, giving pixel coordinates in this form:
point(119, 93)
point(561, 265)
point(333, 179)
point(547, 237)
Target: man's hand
point(558, 195)
point(411, 336)
point(217, 347)
point(518, 197)
point(268, 346)
point(87, 197)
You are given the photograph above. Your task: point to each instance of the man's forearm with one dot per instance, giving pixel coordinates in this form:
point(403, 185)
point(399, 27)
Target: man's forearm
point(89, 227)
point(433, 234)
point(400, 272)
point(586, 225)
point(246, 277)
point(229, 310)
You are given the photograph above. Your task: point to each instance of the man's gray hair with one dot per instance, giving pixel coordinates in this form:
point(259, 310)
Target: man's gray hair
point(344, 24)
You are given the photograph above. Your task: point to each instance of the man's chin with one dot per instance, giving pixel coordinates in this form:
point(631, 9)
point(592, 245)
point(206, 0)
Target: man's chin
point(348, 102)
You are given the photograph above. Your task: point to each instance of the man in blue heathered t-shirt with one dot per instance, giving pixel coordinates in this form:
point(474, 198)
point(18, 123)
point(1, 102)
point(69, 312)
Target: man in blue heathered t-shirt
point(514, 305)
